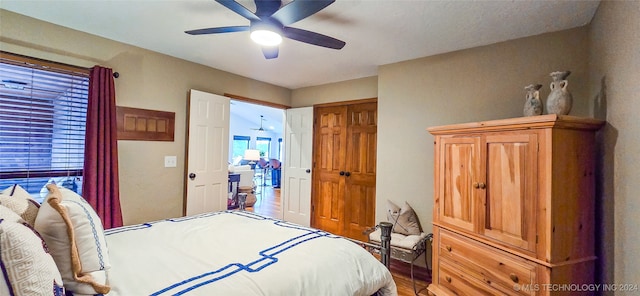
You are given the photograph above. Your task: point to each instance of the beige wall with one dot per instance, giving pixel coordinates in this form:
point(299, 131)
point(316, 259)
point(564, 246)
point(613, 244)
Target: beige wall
point(615, 94)
point(147, 80)
point(363, 88)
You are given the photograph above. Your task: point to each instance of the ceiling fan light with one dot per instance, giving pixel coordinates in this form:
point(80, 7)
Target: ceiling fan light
point(266, 37)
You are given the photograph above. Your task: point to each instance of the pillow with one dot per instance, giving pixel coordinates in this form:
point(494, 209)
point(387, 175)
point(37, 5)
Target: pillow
point(7, 214)
point(404, 219)
point(26, 267)
point(20, 201)
point(75, 236)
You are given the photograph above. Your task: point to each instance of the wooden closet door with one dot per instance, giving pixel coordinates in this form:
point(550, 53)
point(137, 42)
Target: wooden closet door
point(330, 125)
point(360, 176)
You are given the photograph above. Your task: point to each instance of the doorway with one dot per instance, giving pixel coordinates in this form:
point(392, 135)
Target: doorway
point(254, 126)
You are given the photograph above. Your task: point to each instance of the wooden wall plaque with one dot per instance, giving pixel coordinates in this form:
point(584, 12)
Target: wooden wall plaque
point(145, 125)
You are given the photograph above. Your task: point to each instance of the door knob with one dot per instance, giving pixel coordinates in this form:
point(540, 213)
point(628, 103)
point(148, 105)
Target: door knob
point(483, 186)
point(476, 185)
point(347, 174)
point(341, 173)
point(308, 171)
point(513, 277)
point(192, 176)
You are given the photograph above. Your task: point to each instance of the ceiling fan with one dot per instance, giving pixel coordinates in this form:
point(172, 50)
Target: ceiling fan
point(270, 22)
point(261, 129)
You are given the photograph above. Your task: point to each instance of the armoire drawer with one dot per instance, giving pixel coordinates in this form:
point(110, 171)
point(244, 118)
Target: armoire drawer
point(494, 267)
point(454, 279)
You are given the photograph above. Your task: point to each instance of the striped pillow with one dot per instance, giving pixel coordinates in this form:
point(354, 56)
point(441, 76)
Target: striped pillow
point(75, 236)
point(26, 266)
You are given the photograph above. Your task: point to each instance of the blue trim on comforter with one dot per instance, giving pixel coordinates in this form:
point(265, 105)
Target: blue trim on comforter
point(268, 255)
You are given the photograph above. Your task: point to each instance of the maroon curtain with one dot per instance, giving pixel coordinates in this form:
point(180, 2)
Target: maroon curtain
point(100, 176)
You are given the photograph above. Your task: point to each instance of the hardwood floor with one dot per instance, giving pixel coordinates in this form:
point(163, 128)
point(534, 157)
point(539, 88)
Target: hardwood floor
point(268, 204)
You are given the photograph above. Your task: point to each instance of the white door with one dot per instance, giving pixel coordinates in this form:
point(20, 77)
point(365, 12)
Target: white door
point(207, 154)
point(296, 172)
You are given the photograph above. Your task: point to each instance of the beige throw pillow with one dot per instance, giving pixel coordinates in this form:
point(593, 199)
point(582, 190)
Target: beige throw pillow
point(20, 201)
point(27, 268)
point(75, 236)
point(404, 220)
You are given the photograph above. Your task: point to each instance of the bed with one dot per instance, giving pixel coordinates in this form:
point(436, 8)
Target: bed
point(218, 253)
point(239, 253)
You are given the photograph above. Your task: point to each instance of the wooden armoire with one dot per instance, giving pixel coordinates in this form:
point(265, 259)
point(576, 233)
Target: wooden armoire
point(514, 206)
point(344, 167)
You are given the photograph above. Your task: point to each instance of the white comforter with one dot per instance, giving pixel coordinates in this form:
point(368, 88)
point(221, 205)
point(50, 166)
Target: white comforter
point(239, 253)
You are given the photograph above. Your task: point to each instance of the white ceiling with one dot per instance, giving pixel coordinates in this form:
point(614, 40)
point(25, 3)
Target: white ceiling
point(250, 113)
point(377, 32)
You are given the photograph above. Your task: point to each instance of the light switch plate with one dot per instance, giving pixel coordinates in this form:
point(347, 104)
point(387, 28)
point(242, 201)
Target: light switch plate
point(170, 161)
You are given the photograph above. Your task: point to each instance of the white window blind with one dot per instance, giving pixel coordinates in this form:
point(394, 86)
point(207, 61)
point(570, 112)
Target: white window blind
point(42, 125)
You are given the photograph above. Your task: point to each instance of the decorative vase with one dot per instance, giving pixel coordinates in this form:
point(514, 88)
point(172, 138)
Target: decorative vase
point(559, 100)
point(532, 104)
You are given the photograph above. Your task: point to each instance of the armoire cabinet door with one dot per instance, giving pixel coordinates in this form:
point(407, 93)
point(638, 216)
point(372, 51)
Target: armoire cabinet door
point(510, 162)
point(458, 165)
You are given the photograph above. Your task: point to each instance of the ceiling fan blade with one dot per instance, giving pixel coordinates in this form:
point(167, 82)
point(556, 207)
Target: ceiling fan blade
point(239, 9)
point(265, 8)
point(270, 52)
point(313, 38)
point(299, 9)
point(218, 30)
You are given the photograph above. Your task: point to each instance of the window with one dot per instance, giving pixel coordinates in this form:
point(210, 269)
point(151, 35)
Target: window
point(240, 144)
point(42, 124)
point(264, 145)
point(280, 149)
